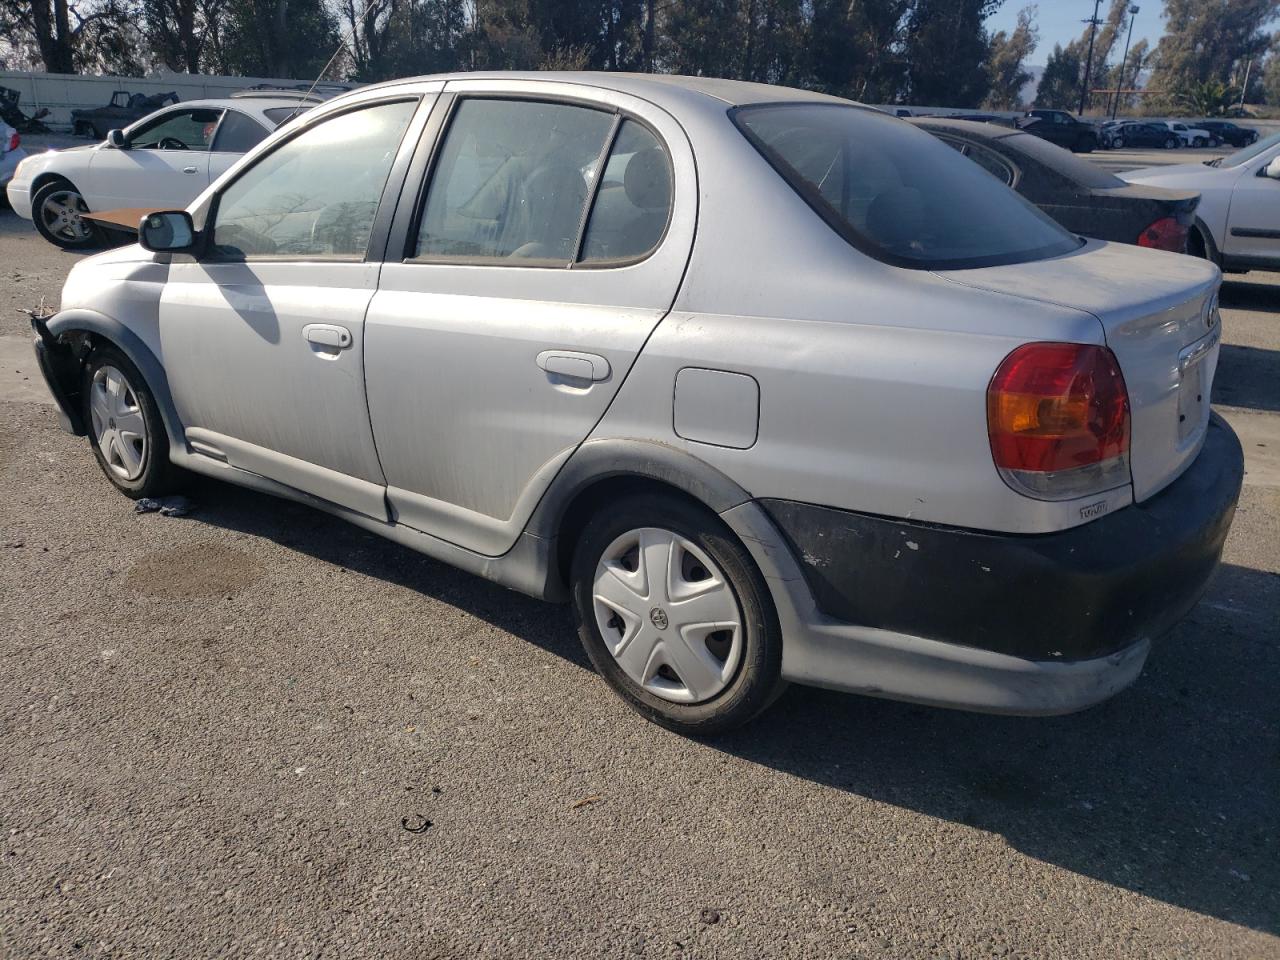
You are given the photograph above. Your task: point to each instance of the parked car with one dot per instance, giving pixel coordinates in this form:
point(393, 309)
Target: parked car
point(1135, 134)
point(11, 152)
point(884, 427)
point(1227, 132)
point(121, 110)
point(13, 115)
point(1109, 134)
point(163, 160)
point(1061, 128)
point(1237, 224)
point(1190, 136)
point(1083, 197)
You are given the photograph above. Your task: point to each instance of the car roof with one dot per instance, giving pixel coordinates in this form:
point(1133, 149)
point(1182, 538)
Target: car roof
point(662, 89)
point(973, 128)
point(255, 106)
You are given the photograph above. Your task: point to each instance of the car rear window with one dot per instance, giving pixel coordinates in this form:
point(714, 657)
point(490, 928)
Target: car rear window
point(1061, 160)
point(898, 193)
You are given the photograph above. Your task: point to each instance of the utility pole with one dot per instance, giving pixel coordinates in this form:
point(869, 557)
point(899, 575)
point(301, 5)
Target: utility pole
point(1124, 61)
point(1088, 64)
point(1245, 89)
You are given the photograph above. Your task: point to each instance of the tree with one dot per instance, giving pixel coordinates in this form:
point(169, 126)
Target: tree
point(1205, 41)
point(1006, 63)
point(1059, 86)
point(856, 49)
point(275, 38)
point(70, 36)
point(1212, 98)
point(946, 48)
point(177, 31)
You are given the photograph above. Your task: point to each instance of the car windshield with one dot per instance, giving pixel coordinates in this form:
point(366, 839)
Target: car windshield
point(1245, 154)
point(897, 193)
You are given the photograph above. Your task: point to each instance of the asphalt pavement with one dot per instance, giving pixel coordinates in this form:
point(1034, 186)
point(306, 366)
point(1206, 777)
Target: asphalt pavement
point(257, 731)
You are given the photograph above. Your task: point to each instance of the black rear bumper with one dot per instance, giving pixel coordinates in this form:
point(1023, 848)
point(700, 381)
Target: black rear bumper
point(1082, 593)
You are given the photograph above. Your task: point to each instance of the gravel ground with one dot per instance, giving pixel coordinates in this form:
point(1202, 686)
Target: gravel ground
point(256, 731)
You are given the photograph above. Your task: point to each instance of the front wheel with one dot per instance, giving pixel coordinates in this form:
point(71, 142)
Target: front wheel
point(675, 615)
point(1171, 143)
point(125, 428)
point(58, 210)
point(1198, 142)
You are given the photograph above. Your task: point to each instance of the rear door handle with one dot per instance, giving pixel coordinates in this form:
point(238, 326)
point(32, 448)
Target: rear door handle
point(188, 169)
point(574, 365)
point(327, 335)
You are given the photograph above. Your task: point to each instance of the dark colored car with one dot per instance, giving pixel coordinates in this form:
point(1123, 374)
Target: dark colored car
point(1062, 129)
point(123, 108)
point(1228, 132)
point(1148, 135)
point(1081, 196)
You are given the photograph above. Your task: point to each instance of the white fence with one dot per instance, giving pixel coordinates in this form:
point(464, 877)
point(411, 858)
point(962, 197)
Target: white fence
point(64, 92)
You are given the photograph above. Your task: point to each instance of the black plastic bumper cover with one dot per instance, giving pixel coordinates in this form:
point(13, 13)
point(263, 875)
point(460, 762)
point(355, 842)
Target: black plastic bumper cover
point(60, 366)
point(1081, 593)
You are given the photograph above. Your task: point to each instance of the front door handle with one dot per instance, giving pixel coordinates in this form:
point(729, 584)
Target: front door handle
point(327, 335)
point(188, 169)
point(574, 365)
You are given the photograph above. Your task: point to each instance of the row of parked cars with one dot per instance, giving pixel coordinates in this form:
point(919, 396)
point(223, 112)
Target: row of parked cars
point(769, 386)
point(1171, 134)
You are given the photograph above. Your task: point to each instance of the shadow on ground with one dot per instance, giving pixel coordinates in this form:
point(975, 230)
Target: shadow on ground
point(1248, 377)
point(1168, 790)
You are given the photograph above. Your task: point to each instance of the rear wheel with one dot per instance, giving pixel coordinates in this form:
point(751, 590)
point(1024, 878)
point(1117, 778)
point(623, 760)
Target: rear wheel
point(58, 210)
point(125, 429)
point(1170, 143)
point(675, 615)
point(83, 129)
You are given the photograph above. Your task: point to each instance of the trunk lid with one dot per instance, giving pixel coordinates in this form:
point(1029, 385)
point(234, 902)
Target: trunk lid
point(1159, 317)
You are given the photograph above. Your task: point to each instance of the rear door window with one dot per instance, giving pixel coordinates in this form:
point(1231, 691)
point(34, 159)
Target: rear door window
point(512, 182)
point(898, 193)
point(633, 203)
point(238, 133)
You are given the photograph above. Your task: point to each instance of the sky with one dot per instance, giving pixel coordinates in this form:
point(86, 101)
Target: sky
point(1061, 21)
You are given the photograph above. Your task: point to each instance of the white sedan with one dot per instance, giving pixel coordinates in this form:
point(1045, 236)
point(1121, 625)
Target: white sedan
point(1238, 221)
point(164, 160)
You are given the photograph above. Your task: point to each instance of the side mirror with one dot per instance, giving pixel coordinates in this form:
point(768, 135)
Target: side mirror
point(1273, 169)
point(167, 232)
point(116, 139)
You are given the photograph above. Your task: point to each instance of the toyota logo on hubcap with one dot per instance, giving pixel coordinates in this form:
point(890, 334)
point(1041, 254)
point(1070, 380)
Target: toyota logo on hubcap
point(659, 618)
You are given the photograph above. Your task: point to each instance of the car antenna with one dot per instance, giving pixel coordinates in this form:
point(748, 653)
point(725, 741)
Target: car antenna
point(342, 45)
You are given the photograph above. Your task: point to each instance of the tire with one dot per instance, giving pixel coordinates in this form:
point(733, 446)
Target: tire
point(125, 429)
point(1086, 144)
point(1170, 143)
point(56, 209)
point(83, 129)
point(681, 675)
point(1198, 142)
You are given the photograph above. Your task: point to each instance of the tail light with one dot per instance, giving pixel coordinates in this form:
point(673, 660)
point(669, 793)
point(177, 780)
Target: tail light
point(1058, 420)
point(14, 141)
point(1165, 234)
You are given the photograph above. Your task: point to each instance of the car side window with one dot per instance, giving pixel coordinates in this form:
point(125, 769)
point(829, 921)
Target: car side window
point(238, 133)
point(633, 202)
point(991, 163)
point(316, 195)
point(178, 130)
point(511, 181)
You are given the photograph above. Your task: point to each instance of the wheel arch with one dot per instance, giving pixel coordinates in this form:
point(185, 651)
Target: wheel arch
point(67, 340)
point(1201, 230)
point(603, 470)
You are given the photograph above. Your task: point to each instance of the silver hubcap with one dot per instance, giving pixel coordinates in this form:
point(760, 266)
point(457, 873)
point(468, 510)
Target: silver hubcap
point(61, 213)
point(118, 425)
point(668, 615)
